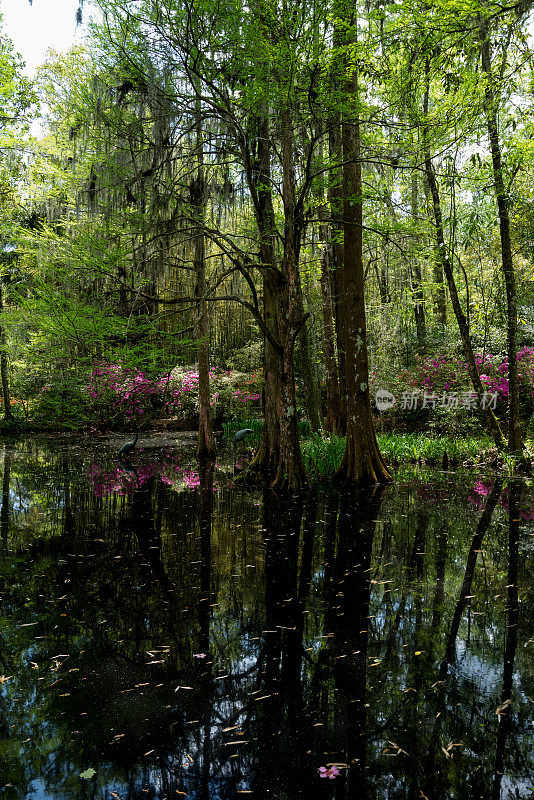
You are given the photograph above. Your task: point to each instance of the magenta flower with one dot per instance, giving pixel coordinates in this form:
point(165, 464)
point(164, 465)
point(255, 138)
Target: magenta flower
point(329, 772)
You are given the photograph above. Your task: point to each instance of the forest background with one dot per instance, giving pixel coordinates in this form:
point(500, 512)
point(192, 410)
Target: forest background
point(233, 213)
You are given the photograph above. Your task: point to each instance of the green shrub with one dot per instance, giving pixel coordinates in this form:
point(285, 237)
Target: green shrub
point(60, 405)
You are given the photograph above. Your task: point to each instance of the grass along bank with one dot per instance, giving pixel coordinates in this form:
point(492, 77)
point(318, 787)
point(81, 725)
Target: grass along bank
point(322, 455)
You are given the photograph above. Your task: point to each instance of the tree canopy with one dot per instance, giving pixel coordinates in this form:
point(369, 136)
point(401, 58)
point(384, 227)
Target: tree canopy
point(340, 188)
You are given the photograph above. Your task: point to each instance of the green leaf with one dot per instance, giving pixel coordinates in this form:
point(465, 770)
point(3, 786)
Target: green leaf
point(88, 774)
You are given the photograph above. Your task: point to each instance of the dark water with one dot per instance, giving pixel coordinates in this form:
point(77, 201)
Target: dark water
point(164, 637)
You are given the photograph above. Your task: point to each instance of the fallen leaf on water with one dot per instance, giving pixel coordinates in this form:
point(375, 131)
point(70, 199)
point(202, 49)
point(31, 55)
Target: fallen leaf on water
point(502, 708)
point(88, 774)
point(399, 749)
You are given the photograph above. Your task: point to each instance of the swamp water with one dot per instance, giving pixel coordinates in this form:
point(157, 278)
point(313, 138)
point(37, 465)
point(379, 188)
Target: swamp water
point(166, 635)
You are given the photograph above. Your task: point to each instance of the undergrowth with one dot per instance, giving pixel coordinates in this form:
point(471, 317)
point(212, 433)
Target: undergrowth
point(322, 455)
point(256, 426)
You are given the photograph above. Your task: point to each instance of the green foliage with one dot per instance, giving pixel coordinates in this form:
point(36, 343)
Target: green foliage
point(256, 426)
point(88, 774)
point(63, 404)
point(412, 447)
point(105, 243)
point(322, 456)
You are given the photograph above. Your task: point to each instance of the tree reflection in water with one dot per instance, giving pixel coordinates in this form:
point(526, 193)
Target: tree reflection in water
point(179, 638)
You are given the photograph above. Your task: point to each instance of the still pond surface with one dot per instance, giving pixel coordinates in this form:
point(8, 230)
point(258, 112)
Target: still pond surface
point(166, 635)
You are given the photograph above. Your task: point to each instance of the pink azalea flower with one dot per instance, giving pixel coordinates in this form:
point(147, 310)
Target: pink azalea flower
point(329, 772)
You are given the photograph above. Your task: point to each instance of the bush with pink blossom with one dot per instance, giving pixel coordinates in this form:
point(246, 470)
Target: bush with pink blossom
point(444, 374)
point(112, 395)
point(129, 396)
point(448, 373)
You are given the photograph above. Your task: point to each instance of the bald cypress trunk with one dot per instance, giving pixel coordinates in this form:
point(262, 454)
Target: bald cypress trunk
point(362, 461)
point(335, 197)
point(267, 457)
point(290, 472)
point(206, 441)
point(333, 422)
point(311, 394)
point(279, 454)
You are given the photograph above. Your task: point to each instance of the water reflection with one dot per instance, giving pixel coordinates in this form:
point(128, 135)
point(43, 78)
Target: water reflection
point(164, 634)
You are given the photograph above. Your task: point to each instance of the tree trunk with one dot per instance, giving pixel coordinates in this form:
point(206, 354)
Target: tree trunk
point(266, 459)
point(268, 454)
point(206, 441)
point(438, 292)
point(490, 107)
point(419, 308)
point(335, 195)
point(333, 422)
point(362, 462)
point(311, 394)
point(279, 453)
point(440, 296)
point(290, 472)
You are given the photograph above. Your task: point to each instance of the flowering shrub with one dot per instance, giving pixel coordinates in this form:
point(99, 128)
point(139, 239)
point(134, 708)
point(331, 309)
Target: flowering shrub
point(127, 396)
point(231, 392)
point(120, 395)
point(436, 374)
point(442, 373)
point(495, 375)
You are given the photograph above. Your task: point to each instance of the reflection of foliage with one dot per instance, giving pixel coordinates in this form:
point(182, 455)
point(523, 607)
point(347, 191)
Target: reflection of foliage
point(124, 479)
point(107, 643)
point(481, 490)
